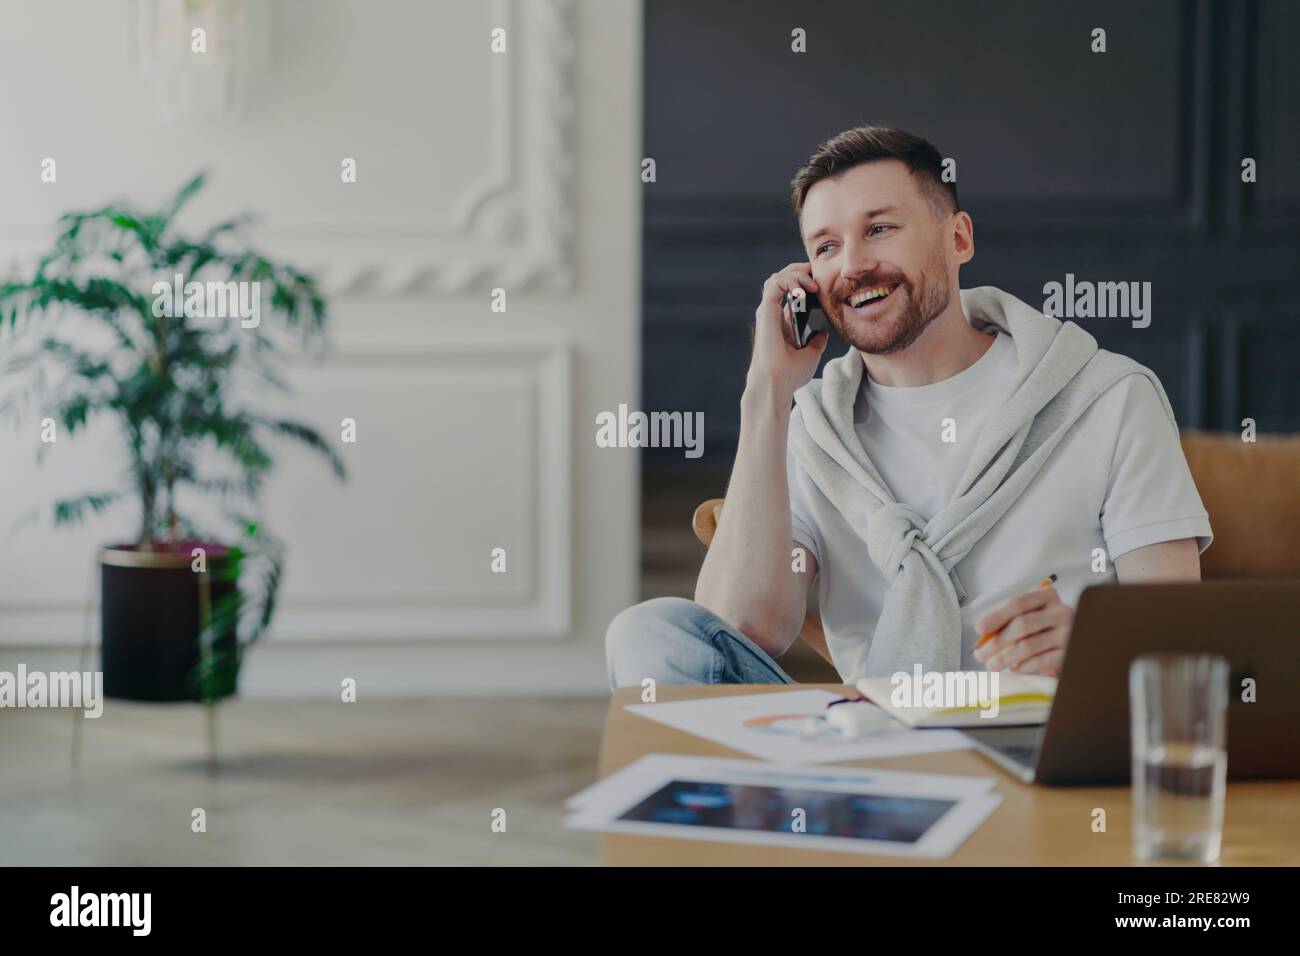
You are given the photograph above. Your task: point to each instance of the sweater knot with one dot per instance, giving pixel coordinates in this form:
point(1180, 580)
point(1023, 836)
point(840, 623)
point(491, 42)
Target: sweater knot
point(892, 531)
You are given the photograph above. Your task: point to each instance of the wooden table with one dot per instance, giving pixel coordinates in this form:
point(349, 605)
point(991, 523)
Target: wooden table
point(1034, 825)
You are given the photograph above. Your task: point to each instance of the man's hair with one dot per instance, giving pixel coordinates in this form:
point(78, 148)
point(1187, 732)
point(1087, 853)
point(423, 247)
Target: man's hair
point(869, 144)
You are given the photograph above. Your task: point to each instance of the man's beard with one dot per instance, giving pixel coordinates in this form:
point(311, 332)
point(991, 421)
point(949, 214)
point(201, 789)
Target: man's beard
point(903, 323)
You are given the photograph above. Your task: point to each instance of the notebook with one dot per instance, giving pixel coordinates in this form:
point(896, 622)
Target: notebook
point(962, 698)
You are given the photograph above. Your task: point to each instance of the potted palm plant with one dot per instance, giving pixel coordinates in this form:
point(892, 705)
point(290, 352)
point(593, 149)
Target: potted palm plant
point(127, 318)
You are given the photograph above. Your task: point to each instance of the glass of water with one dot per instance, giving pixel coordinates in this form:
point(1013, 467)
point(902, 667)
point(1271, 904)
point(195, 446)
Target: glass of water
point(1178, 706)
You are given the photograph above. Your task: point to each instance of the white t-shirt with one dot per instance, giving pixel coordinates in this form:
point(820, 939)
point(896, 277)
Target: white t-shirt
point(1117, 482)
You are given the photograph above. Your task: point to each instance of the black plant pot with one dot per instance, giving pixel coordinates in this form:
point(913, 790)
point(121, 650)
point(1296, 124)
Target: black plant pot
point(151, 614)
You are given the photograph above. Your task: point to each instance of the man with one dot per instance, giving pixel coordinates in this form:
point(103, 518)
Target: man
point(964, 449)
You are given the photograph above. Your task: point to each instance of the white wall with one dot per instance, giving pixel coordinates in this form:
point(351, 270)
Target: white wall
point(475, 429)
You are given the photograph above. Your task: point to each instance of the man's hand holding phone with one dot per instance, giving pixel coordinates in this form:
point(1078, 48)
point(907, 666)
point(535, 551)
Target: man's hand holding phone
point(778, 364)
point(747, 578)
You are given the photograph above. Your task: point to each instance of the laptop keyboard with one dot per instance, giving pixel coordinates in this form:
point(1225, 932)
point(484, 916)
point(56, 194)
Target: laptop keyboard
point(1020, 754)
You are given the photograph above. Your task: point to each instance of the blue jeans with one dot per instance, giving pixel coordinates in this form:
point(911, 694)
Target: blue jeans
point(676, 641)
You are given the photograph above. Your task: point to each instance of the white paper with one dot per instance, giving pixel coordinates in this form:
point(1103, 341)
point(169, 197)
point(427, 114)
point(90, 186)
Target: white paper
point(599, 806)
point(769, 726)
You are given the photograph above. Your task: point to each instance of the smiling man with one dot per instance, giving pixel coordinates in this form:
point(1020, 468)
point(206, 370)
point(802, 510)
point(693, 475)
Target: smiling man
point(964, 448)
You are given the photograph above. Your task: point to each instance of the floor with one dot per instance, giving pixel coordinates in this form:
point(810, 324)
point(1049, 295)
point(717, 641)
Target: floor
point(303, 783)
point(321, 783)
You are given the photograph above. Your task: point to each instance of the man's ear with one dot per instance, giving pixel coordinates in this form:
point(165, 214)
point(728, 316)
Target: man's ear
point(963, 238)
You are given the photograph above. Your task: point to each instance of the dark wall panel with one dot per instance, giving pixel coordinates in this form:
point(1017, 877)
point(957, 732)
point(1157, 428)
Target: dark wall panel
point(723, 88)
point(1115, 166)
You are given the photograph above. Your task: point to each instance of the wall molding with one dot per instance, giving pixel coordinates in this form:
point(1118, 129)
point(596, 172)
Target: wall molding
point(513, 228)
point(544, 613)
point(1264, 52)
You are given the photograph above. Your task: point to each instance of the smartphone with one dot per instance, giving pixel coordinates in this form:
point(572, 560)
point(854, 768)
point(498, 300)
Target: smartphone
point(805, 316)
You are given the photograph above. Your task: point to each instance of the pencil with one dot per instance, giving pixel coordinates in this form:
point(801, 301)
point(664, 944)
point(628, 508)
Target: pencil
point(1047, 582)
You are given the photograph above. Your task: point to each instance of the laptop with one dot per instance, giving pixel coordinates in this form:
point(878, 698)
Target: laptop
point(1254, 624)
